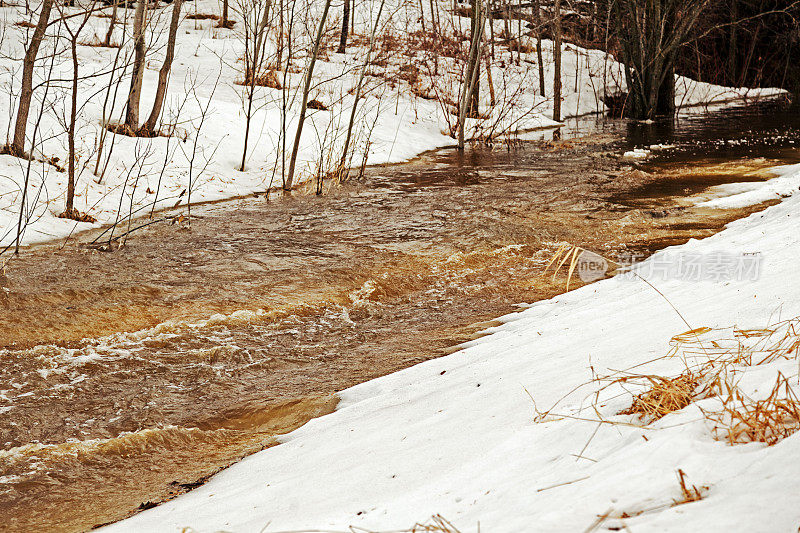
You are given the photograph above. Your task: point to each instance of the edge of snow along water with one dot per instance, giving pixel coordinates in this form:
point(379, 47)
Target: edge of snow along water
point(458, 436)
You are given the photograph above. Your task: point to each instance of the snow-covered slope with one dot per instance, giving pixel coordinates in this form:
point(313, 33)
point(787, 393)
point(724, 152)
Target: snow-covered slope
point(141, 172)
point(459, 435)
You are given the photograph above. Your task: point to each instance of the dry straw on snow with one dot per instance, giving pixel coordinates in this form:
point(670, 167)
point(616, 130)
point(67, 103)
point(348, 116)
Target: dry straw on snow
point(770, 420)
point(713, 359)
point(665, 395)
point(740, 418)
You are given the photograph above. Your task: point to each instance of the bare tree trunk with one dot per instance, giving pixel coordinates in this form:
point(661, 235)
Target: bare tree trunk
point(345, 27)
point(343, 162)
point(733, 43)
point(746, 65)
point(163, 75)
point(224, 19)
point(490, 82)
point(557, 61)
point(70, 207)
point(256, 30)
point(111, 23)
point(137, 74)
point(474, 62)
point(472, 69)
point(537, 9)
point(650, 36)
point(303, 106)
point(26, 92)
point(24, 201)
point(279, 41)
point(74, 36)
point(490, 16)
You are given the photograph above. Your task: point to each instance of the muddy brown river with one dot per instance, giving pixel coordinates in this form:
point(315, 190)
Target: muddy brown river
point(129, 376)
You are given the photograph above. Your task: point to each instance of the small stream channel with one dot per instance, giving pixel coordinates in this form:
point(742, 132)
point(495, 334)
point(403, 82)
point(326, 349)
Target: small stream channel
point(128, 377)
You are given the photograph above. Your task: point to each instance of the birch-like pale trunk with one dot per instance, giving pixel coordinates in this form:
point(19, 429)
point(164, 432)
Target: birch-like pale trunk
point(468, 88)
point(137, 74)
point(163, 75)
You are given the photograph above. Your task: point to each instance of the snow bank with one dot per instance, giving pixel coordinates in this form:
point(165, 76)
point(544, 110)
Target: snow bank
point(168, 172)
point(457, 436)
point(737, 195)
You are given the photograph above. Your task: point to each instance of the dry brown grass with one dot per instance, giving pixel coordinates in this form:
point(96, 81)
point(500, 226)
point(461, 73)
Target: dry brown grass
point(565, 254)
point(714, 360)
point(409, 73)
point(739, 419)
point(665, 395)
point(742, 419)
point(515, 46)
point(441, 44)
point(436, 524)
point(124, 129)
point(202, 16)
point(79, 216)
point(265, 79)
point(424, 93)
point(226, 24)
point(316, 104)
point(688, 493)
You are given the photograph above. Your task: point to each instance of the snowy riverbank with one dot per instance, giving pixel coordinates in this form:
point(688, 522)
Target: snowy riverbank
point(465, 436)
point(403, 112)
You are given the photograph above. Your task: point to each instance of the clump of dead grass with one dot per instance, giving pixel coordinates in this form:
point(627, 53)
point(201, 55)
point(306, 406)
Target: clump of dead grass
point(515, 46)
point(665, 395)
point(265, 79)
point(124, 129)
point(743, 420)
point(202, 16)
point(714, 360)
point(225, 24)
point(688, 493)
point(740, 419)
point(78, 216)
point(316, 104)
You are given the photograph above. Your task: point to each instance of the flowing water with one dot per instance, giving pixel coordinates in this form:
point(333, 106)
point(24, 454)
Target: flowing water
point(128, 377)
